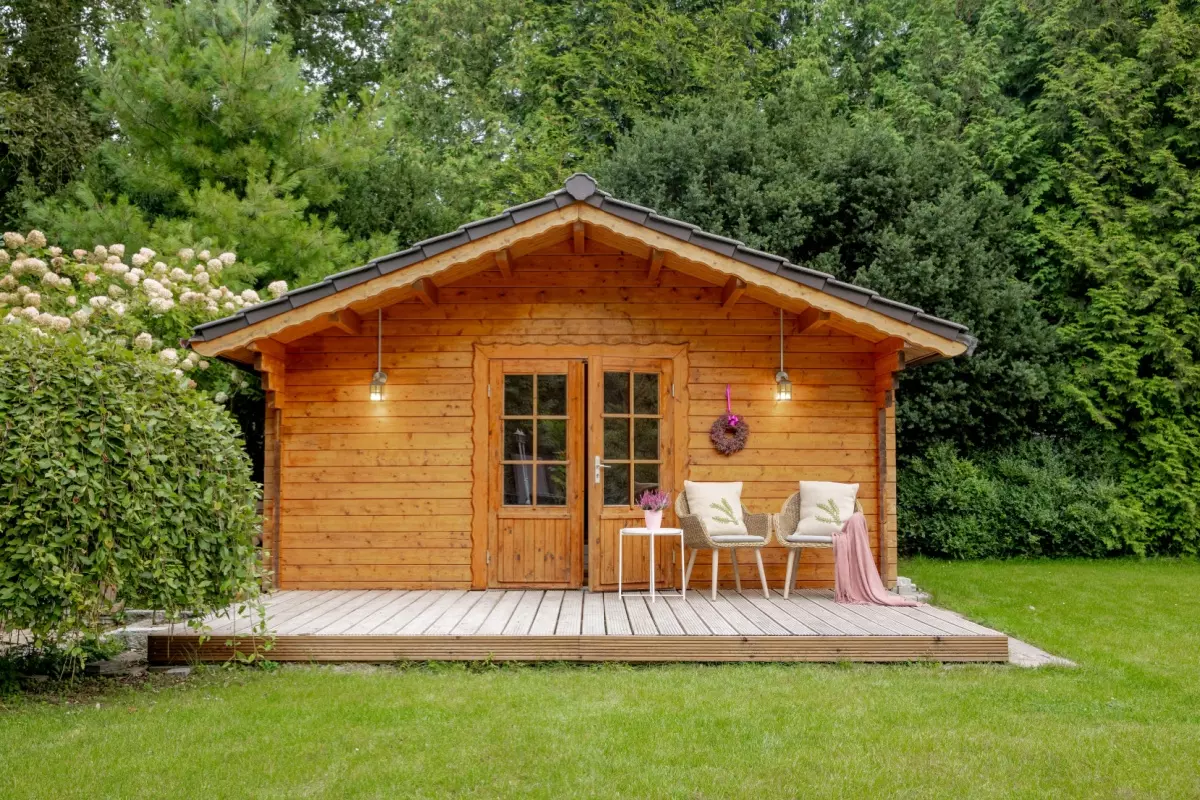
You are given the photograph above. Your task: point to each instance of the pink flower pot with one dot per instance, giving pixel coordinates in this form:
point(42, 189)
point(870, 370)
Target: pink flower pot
point(653, 519)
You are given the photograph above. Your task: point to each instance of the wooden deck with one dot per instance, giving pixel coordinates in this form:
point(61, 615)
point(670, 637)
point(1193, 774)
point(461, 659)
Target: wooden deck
point(391, 625)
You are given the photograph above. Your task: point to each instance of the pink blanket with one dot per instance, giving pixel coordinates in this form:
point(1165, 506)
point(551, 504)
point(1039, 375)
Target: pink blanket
point(855, 577)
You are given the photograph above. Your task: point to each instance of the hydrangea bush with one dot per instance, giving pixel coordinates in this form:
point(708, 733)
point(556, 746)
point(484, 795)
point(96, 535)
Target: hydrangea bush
point(149, 301)
point(118, 485)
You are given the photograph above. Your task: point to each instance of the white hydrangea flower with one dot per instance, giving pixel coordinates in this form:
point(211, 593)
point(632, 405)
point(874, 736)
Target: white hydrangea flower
point(228, 306)
point(203, 365)
point(79, 254)
point(82, 316)
point(6, 298)
point(31, 313)
point(63, 282)
point(13, 240)
point(203, 255)
point(179, 275)
point(250, 296)
point(178, 373)
point(186, 254)
point(130, 278)
point(228, 259)
point(99, 301)
point(220, 397)
point(23, 290)
point(72, 300)
point(202, 279)
point(91, 278)
point(143, 341)
point(138, 260)
point(101, 251)
point(277, 288)
point(55, 251)
point(117, 249)
point(8, 281)
point(215, 263)
point(118, 309)
point(169, 356)
point(11, 318)
point(35, 238)
point(115, 291)
point(60, 324)
point(159, 268)
point(4, 257)
point(186, 365)
point(57, 262)
point(33, 299)
point(161, 305)
point(50, 279)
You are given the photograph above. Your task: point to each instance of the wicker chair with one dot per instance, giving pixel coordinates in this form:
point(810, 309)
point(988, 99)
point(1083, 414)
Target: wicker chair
point(758, 529)
point(785, 523)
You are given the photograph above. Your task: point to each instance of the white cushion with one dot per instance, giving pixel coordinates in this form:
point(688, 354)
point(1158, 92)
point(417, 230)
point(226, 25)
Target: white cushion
point(718, 505)
point(747, 539)
point(825, 507)
point(796, 538)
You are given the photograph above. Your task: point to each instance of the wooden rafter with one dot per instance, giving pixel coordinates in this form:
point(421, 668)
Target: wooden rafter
point(504, 264)
point(270, 360)
point(735, 287)
point(426, 291)
point(810, 319)
point(347, 321)
point(578, 238)
point(656, 263)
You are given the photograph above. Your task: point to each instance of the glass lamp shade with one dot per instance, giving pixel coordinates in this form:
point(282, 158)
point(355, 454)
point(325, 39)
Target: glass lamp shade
point(378, 381)
point(783, 386)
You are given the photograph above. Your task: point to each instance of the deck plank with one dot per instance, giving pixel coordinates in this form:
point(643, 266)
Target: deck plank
point(685, 614)
point(616, 621)
point(523, 614)
point(419, 623)
point(959, 619)
point(317, 623)
point(298, 623)
point(347, 623)
point(821, 625)
point(570, 615)
point(752, 613)
point(740, 622)
point(391, 624)
point(446, 623)
point(495, 622)
point(593, 614)
point(664, 619)
point(546, 618)
point(845, 613)
point(473, 619)
point(639, 618)
point(395, 604)
point(781, 618)
point(712, 618)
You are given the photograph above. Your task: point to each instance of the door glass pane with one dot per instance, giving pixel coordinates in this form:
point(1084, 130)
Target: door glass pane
point(616, 485)
point(518, 484)
point(616, 393)
point(518, 394)
point(645, 438)
point(616, 438)
point(645, 477)
point(552, 484)
point(552, 395)
point(518, 440)
point(552, 439)
point(645, 393)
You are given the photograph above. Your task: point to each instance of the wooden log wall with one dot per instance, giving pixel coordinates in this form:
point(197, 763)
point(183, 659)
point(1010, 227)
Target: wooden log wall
point(379, 495)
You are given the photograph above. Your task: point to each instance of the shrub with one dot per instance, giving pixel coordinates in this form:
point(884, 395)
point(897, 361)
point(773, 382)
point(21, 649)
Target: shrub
point(117, 485)
point(1022, 501)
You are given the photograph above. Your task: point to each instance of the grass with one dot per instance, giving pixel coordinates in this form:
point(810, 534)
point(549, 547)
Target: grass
point(1126, 723)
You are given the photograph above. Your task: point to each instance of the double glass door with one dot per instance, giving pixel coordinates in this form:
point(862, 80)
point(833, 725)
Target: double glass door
point(574, 443)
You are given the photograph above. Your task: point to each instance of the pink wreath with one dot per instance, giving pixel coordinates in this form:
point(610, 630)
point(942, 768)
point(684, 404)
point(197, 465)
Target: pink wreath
point(730, 432)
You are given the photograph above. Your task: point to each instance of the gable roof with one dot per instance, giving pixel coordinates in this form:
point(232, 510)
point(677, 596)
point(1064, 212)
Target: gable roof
point(582, 188)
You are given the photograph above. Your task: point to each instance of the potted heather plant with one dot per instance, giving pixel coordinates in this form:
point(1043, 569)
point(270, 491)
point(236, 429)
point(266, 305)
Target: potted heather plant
point(653, 502)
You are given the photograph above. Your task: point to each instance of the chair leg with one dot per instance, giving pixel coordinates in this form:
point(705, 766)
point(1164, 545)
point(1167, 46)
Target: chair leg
point(687, 574)
point(790, 576)
point(737, 578)
point(714, 577)
point(762, 573)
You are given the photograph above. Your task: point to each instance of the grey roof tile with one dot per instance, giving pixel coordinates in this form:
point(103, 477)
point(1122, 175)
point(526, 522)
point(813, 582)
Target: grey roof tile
point(581, 187)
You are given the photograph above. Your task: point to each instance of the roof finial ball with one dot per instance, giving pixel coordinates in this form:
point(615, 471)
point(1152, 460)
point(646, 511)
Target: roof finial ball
point(581, 186)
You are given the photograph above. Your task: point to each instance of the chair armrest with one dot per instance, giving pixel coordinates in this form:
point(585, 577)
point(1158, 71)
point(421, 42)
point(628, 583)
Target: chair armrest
point(757, 524)
point(694, 533)
point(788, 518)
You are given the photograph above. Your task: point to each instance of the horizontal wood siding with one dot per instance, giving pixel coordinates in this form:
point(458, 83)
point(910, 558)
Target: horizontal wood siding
point(379, 495)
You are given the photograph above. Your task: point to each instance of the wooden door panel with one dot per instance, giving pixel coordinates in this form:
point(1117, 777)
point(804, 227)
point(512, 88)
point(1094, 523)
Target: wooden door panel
point(535, 534)
point(606, 517)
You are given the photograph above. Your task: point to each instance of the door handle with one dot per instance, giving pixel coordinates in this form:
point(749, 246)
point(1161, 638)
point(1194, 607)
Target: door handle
point(600, 466)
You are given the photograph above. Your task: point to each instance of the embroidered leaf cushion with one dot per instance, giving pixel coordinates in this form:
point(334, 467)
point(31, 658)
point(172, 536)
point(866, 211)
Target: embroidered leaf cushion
point(825, 507)
point(719, 505)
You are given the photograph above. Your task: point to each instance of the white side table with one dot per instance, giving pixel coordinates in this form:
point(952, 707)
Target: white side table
point(653, 533)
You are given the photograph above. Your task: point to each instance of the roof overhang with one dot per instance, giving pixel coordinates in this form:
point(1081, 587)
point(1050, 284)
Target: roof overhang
point(555, 218)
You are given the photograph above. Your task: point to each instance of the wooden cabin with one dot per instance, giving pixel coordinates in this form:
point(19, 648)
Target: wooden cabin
point(543, 367)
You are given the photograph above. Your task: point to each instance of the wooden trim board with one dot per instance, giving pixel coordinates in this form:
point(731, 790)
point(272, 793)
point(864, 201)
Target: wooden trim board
point(186, 649)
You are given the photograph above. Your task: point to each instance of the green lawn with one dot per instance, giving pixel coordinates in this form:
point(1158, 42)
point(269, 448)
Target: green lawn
point(1126, 723)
